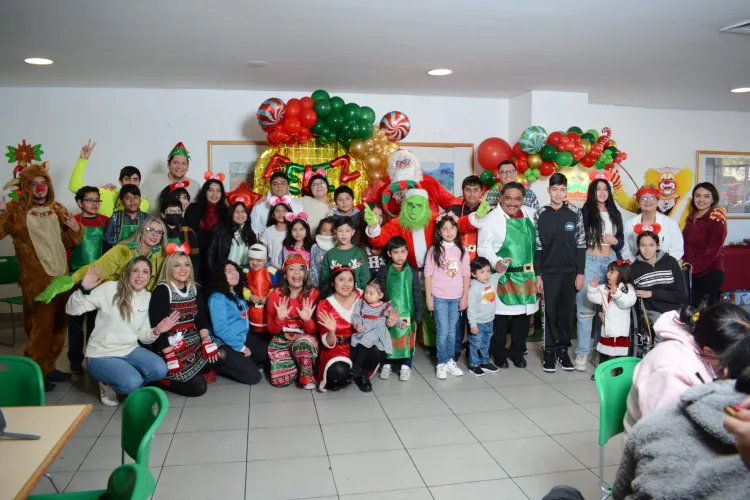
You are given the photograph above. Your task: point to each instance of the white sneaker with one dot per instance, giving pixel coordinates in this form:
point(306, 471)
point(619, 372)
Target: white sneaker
point(385, 372)
point(580, 363)
point(405, 373)
point(309, 386)
point(441, 372)
point(453, 369)
point(108, 395)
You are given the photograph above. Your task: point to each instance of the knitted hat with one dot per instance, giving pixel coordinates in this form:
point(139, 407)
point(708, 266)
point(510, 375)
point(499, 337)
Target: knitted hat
point(179, 150)
point(258, 251)
point(293, 260)
point(647, 190)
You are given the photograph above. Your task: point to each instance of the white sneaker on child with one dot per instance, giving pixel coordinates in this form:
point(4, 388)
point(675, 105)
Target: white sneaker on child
point(580, 363)
point(405, 373)
point(385, 372)
point(108, 395)
point(441, 372)
point(309, 386)
point(453, 369)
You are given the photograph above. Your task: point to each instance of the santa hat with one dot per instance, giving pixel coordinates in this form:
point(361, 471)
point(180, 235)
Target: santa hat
point(257, 251)
point(179, 150)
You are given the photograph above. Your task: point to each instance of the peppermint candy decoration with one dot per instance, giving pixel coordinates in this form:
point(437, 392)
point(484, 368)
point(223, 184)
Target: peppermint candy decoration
point(396, 125)
point(270, 113)
point(533, 139)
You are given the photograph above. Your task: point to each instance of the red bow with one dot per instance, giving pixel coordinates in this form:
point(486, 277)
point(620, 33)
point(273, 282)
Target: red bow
point(275, 200)
point(640, 228)
point(311, 172)
point(177, 185)
point(621, 262)
point(292, 216)
point(175, 248)
point(210, 176)
point(595, 175)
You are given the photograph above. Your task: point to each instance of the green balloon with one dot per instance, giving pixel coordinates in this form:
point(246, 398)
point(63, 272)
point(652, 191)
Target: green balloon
point(577, 130)
point(347, 142)
point(320, 94)
point(342, 135)
point(322, 108)
point(575, 162)
point(335, 121)
point(594, 134)
point(325, 130)
point(337, 103)
point(367, 113)
point(354, 128)
point(549, 152)
point(613, 149)
point(365, 129)
point(588, 137)
point(347, 128)
point(317, 129)
point(599, 165)
point(487, 177)
point(350, 111)
point(564, 158)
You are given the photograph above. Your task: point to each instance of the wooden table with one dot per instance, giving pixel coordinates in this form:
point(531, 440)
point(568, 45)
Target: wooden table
point(23, 462)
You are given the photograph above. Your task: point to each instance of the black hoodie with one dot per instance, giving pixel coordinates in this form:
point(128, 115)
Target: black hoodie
point(665, 281)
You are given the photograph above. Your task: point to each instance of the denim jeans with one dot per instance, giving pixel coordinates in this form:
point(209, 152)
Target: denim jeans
point(479, 344)
point(128, 373)
point(446, 316)
point(596, 267)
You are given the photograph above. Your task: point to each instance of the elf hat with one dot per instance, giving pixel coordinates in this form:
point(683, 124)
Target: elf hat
point(257, 251)
point(179, 150)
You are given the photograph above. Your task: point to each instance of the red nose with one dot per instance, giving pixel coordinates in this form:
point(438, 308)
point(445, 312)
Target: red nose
point(40, 188)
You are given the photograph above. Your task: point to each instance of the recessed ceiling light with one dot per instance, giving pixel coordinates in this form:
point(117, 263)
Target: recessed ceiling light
point(258, 64)
point(439, 72)
point(741, 90)
point(38, 61)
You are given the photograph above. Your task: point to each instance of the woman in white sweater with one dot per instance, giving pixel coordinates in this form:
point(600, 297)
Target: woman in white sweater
point(113, 356)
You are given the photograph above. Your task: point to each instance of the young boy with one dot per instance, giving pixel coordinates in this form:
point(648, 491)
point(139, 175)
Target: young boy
point(123, 223)
point(559, 264)
point(404, 289)
point(260, 280)
point(178, 232)
point(481, 313)
point(90, 249)
point(344, 199)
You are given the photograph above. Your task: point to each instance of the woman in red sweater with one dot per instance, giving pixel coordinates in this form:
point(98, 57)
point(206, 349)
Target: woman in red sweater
point(704, 235)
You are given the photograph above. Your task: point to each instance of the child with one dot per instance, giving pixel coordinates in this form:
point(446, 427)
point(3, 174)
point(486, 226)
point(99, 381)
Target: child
point(177, 191)
point(324, 241)
point(374, 255)
point(90, 249)
point(298, 238)
point(346, 254)
point(260, 279)
point(371, 318)
point(344, 199)
point(276, 230)
point(404, 289)
point(446, 278)
point(124, 223)
point(616, 297)
point(481, 314)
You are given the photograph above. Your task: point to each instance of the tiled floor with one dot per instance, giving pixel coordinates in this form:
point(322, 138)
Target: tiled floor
point(512, 435)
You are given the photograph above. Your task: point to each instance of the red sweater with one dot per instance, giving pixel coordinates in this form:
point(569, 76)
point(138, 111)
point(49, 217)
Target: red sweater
point(704, 241)
point(293, 323)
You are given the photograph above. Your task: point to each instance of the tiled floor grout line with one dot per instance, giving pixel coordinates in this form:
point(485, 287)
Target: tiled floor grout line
point(325, 446)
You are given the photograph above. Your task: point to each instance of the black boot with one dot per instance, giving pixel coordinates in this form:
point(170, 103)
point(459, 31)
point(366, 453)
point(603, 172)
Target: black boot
point(549, 361)
point(363, 383)
point(564, 359)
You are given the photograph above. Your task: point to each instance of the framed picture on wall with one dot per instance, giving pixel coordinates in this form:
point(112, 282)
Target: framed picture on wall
point(729, 171)
point(236, 160)
point(449, 163)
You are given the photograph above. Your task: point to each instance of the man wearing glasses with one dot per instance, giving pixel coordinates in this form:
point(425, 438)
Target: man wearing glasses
point(507, 173)
point(90, 249)
point(670, 237)
point(279, 188)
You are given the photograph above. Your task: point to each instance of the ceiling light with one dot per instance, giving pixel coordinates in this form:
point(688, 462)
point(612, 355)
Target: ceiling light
point(258, 64)
point(38, 61)
point(741, 90)
point(439, 72)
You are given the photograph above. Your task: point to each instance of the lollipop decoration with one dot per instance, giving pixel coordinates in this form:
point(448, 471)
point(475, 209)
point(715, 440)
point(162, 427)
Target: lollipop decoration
point(533, 139)
point(396, 125)
point(270, 113)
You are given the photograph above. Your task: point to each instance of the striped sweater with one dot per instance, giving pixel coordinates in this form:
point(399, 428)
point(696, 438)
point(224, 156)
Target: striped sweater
point(664, 279)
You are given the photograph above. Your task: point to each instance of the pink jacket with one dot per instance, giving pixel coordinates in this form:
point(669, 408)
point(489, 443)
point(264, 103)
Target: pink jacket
point(671, 367)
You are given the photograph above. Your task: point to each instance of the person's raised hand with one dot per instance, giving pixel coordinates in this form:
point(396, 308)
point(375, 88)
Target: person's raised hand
point(166, 324)
point(392, 318)
point(282, 308)
point(71, 223)
point(308, 307)
point(370, 218)
point(91, 279)
point(87, 149)
point(328, 321)
point(484, 209)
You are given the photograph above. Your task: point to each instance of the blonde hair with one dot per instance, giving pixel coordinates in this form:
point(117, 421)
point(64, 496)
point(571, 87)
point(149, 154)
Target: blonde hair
point(169, 264)
point(124, 295)
point(140, 233)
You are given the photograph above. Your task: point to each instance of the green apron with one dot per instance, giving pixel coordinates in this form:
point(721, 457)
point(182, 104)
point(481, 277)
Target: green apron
point(403, 334)
point(127, 230)
point(518, 287)
point(90, 248)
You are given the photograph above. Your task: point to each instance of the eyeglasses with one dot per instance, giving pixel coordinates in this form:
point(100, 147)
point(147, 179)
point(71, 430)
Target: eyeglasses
point(648, 198)
point(92, 201)
point(318, 184)
point(173, 212)
point(503, 172)
point(157, 232)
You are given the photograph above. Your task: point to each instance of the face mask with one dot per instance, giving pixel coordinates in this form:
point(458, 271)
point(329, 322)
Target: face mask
point(172, 219)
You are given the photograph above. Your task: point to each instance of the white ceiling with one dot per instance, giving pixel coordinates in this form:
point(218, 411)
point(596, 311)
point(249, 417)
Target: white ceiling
point(656, 53)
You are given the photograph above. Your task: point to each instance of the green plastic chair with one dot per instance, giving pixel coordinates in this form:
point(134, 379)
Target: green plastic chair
point(21, 381)
point(10, 274)
point(142, 413)
point(613, 381)
point(127, 482)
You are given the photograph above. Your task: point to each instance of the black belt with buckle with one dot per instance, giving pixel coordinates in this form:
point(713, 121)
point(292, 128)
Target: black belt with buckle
point(526, 268)
point(343, 340)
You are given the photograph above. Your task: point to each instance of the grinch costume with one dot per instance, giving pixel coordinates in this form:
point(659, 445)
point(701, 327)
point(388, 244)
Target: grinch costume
point(40, 238)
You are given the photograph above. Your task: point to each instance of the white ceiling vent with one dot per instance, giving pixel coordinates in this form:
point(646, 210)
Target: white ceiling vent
point(741, 28)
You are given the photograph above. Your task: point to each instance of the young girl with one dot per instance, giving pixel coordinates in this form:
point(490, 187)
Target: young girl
point(324, 241)
point(374, 255)
point(371, 318)
point(346, 254)
point(446, 277)
point(276, 230)
point(616, 297)
point(298, 238)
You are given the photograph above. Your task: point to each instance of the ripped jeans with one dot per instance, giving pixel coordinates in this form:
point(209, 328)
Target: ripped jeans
point(596, 267)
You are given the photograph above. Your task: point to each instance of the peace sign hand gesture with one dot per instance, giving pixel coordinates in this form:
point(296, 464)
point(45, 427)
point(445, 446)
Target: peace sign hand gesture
point(87, 149)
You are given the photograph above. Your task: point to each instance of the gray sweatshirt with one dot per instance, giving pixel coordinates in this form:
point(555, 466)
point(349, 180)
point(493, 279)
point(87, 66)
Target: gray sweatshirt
point(482, 297)
point(682, 451)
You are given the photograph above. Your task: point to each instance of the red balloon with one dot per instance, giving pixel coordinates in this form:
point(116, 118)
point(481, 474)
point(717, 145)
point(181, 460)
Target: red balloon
point(292, 125)
point(307, 102)
point(578, 153)
point(522, 164)
point(493, 151)
point(573, 136)
point(570, 147)
point(554, 138)
point(563, 142)
point(292, 108)
point(517, 150)
point(308, 117)
point(547, 168)
point(621, 156)
point(588, 161)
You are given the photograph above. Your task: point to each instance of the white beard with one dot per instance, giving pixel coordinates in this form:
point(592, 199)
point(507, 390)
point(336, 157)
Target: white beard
point(406, 174)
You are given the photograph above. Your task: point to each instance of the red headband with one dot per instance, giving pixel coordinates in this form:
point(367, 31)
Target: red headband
point(292, 260)
point(647, 190)
point(173, 248)
point(210, 176)
point(642, 228)
point(177, 185)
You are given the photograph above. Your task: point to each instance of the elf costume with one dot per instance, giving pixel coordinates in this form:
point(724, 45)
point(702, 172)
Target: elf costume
point(404, 290)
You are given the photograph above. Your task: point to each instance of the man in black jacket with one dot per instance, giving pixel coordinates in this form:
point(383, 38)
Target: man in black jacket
point(559, 263)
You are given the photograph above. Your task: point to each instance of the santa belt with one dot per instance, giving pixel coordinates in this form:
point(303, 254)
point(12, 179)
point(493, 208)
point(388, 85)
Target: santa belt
point(526, 268)
point(343, 340)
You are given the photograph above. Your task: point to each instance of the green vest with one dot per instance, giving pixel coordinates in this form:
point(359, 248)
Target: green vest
point(403, 334)
point(518, 287)
point(90, 248)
